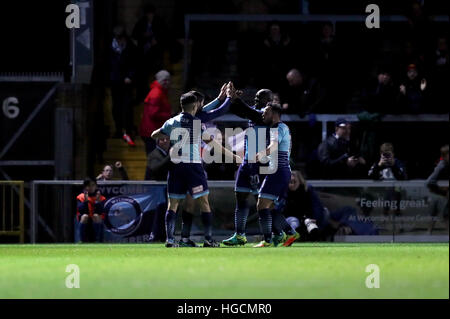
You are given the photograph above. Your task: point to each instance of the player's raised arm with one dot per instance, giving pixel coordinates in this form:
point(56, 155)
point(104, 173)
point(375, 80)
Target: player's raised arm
point(243, 110)
point(223, 109)
point(216, 102)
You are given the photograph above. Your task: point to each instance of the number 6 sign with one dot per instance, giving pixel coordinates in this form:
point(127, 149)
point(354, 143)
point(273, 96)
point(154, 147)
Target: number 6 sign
point(10, 108)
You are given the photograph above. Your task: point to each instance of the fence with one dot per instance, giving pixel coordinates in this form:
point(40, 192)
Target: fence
point(420, 215)
point(12, 209)
point(326, 119)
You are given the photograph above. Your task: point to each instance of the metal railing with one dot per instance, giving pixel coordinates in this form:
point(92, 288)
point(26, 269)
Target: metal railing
point(12, 209)
point(325, 119)
point(32, 77)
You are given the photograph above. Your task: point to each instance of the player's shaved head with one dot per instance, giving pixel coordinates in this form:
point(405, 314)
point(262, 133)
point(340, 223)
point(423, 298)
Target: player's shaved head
point(294, 77)
point(263, 97)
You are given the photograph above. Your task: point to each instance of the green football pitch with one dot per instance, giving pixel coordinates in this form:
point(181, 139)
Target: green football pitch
point(323, 270)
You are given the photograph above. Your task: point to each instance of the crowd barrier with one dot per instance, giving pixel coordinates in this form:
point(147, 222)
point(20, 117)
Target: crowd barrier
point(12, 209)
point(372, 211)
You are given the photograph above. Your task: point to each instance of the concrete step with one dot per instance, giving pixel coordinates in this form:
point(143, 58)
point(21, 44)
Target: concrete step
point(116, 142)
point(133, 159)
point(124, 155)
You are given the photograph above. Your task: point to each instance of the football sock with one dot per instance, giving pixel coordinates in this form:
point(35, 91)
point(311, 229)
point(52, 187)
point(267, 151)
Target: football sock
point(207, 224)
point(275, 226)
point(240, 220)
point(171, 218)
point(275, 229)
point(265, 221)
point(187, 224)
point(280, 223)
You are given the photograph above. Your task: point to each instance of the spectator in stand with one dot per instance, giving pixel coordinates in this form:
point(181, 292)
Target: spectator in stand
point(335, 155)
point(408, 55)
point(420, 26)
point(303, 95)
point(388, 168)
point(327, 53)
point(381, 95)
point(158, 161)
point(440, 172)
point(277, 54)
point(440, 73)
point(309, 215)
point(107, 173)
point(90, 212)
point(123, 57)
point(313, 220)
point(327, 42)
point(149, 33)
point(157, 109)
point(441, 58)
point(412, 92)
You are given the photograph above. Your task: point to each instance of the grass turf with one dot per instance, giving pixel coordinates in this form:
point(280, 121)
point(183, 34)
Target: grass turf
point(325, 270)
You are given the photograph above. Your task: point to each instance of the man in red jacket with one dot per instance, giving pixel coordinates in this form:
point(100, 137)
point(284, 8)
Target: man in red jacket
point(157, 109)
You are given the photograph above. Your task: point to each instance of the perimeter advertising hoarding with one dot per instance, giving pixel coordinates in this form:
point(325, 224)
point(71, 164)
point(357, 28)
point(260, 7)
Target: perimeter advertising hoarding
point(349, 210)
point(129, 211)
point(386, 210)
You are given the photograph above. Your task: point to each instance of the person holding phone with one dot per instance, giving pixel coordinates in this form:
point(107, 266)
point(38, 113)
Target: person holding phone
point(388, 167)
